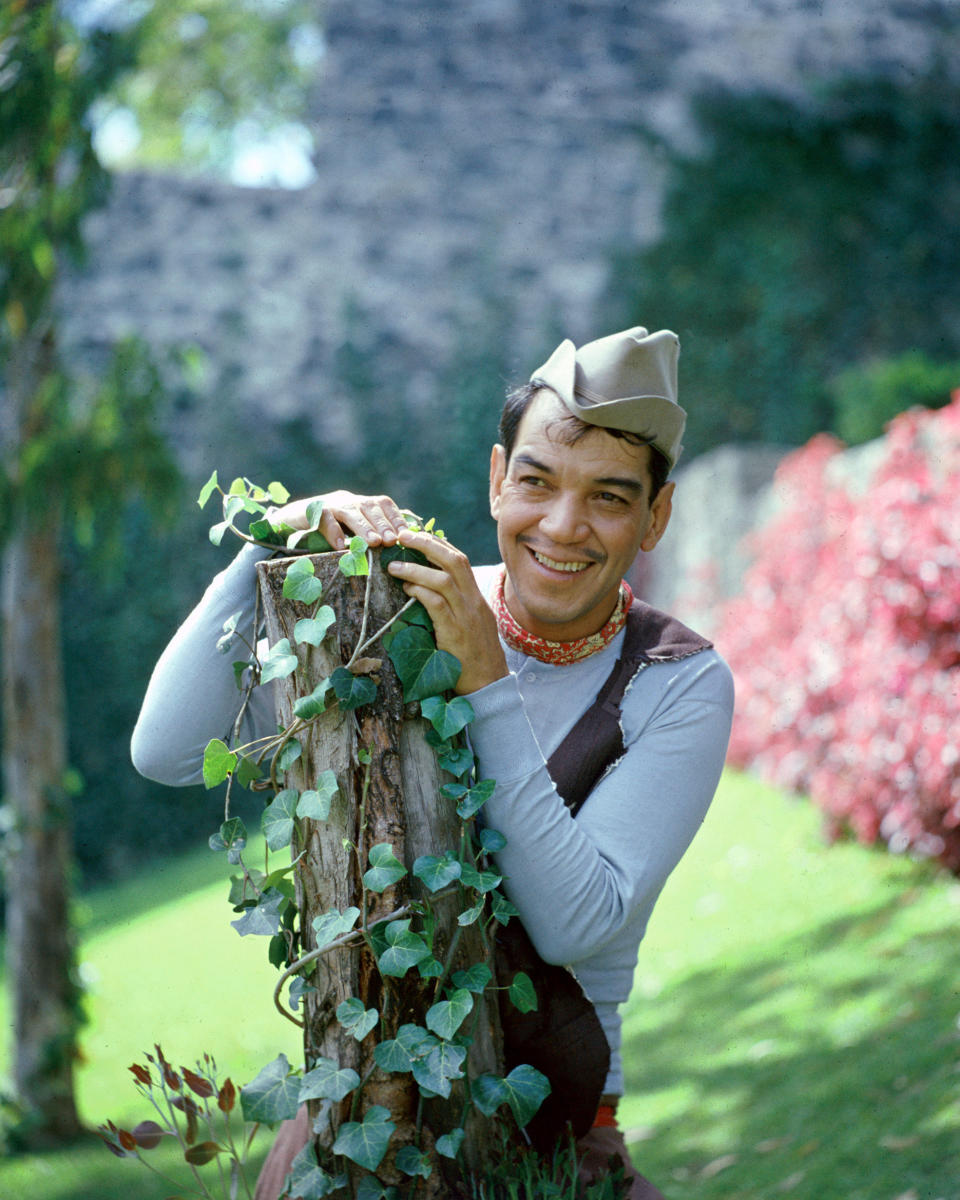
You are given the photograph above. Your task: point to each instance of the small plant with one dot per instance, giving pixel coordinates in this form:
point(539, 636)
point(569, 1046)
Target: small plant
point(197, 1111)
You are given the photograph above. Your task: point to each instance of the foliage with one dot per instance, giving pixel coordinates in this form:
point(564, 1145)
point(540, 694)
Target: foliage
point(867, 398)
point(803, 236)
point(844, 642)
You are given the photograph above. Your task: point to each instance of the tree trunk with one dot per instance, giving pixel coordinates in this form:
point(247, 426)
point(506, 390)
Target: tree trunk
point(395, 800)
point(40, 953)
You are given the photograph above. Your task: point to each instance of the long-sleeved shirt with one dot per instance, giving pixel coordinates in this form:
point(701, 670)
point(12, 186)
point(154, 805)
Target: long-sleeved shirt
point(584, 886)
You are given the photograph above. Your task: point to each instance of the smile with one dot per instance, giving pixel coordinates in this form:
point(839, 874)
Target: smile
point(571, 567)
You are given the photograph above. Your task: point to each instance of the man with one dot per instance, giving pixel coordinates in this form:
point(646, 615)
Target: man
point(577, 488)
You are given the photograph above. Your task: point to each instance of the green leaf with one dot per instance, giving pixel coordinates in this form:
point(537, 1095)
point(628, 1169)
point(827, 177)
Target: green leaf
point(524, 1089)
point(522, 993)
point(447, 717)
point(315, 803)
point(502, 909)
point(278, 493)
point(469, 800)
point(289, 754)
point(474, 979)
point(356, 1019)
point(405, 950)
point(488, 1093)
point(446, 1016)
point(309, 1181)
point(423, 669)
point(352, 690)
point(277, 820)
point(354, 559)
point(232, 835)
point(449, 1144)
point(400, 1053)
point(279, 663)
point(480, 881)
point(458, 760)
point(365, 1142)
point(247, 771)
point(436, 872)
point(470, 915)
point(398, 553)
point(442, 1064)
point(263, 918)
point(300, 583)
point(412, 1161)
point(314, 704)
point(207, 490)
point(229, 629)
point(492, 840)
point(328, 1081)
point(333, 923)
point(218, 761)
point(384, 870)
point(274, 1094)
point(312, 630)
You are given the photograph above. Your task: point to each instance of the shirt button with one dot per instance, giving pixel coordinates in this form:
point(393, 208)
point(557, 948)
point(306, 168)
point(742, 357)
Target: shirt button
point(532, 677)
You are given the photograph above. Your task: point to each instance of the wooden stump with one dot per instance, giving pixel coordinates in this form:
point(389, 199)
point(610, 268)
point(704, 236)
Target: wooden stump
point(395, 799)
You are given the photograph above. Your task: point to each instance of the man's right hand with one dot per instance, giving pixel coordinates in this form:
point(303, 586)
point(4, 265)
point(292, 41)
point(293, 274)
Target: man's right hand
point(376, 519)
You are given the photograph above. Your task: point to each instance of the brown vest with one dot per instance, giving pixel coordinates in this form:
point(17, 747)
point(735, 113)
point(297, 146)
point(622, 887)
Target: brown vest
point(563, 1038)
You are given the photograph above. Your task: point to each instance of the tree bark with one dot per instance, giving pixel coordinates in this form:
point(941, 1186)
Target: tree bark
point(40, 952)
point(395, 800)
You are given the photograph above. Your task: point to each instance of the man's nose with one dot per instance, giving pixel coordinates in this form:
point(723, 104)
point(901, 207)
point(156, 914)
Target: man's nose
point(564, 521)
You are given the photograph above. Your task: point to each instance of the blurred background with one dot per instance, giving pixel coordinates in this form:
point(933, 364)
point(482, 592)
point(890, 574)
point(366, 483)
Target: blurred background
point(315, 242)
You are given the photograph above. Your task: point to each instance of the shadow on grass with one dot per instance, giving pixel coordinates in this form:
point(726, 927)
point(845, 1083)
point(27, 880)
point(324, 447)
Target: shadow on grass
point(823, 1067)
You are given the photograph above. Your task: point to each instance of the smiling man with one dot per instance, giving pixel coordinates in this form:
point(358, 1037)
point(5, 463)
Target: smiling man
point(603, 721)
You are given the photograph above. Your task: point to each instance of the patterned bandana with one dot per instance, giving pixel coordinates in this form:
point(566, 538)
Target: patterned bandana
point(559, 653)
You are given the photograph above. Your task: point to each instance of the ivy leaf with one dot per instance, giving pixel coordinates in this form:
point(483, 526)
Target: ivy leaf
point(446, 1016)
point(218, 761)
point(384, 870)
point(232, 835)
point(422, 668)
point(470, 915)
point(503, 910)
point(436, 872)
point(279, 663)
point(247, 771)
point(398, 553)
point(312, 630)
point(476, 798)
point(328, 1081)
point(263, 918)
point(405, 949)
point(449, 1144)
point(442, 1064)
point(488, 1093)
point(430, 968)
point(352, 690)
point(524, 1089)
point(492, 840)
point(207, 490)
point(474, 979)
point(278, 493)
point(365, 1142)
point(314, 704)
point(354, 559)
point(300, 583)
point(308, 1180)
point(447, 717)
point(458, 760)
point(229, 629)
point(277, 819)
point(289, 754)
point(480, 881)
point(333, 923)
point(315, 803)
point(356, 1019)
point(274, 1094)
point(522, 993)
point(412, 1161)
point(400, 1053)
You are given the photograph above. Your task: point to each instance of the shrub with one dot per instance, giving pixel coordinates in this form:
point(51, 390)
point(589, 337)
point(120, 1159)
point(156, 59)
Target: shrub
point(866, 398)
point(846, 640)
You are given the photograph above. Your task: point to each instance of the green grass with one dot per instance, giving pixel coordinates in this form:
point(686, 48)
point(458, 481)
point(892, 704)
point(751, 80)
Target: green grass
point(793, 1029)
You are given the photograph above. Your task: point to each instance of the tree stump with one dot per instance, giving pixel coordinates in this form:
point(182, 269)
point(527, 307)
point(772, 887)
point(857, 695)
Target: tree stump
point(394, 799)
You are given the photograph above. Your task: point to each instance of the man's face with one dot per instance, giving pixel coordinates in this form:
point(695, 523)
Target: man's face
point(570, 521)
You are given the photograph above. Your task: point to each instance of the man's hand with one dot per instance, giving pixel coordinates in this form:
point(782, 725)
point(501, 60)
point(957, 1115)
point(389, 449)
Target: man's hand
point(462, 620)
point(376, 519)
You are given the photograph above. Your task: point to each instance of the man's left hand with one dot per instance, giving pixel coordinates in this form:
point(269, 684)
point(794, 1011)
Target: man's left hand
point(462, 620)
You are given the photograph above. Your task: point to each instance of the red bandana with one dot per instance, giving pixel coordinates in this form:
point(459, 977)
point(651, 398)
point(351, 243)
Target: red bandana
point(560, 653)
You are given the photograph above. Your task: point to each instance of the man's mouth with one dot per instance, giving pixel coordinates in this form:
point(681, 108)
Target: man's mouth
point(554, 564)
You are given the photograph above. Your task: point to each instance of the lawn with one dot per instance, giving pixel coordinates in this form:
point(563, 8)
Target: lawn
point(793, 1029)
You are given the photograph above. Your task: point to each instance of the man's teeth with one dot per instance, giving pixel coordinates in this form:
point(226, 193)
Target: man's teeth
point(560, 566)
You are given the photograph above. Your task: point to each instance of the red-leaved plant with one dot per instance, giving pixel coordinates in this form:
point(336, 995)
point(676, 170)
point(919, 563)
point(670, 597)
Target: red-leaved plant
point(845, 641)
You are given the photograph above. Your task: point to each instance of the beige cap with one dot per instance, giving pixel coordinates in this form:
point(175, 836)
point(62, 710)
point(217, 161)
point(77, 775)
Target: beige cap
point(625, 381)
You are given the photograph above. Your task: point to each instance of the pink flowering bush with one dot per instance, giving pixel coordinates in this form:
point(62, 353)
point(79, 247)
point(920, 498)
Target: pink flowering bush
point(845, 641)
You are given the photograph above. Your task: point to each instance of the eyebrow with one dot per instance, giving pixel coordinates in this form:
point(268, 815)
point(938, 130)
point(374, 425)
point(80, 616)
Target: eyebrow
point(628, 484)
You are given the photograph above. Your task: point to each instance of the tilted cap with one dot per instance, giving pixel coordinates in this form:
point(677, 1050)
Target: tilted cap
point(625, 381)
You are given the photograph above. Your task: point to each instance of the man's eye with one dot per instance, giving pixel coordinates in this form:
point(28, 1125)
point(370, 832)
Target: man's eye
point(611, 498)
point(531, 480)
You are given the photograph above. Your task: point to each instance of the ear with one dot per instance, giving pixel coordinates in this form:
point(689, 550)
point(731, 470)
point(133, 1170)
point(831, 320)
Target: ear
point(659, 517)
point(498, 472)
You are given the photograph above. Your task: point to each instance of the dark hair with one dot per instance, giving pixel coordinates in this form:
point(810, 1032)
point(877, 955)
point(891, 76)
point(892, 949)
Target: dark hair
point(518, 401)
